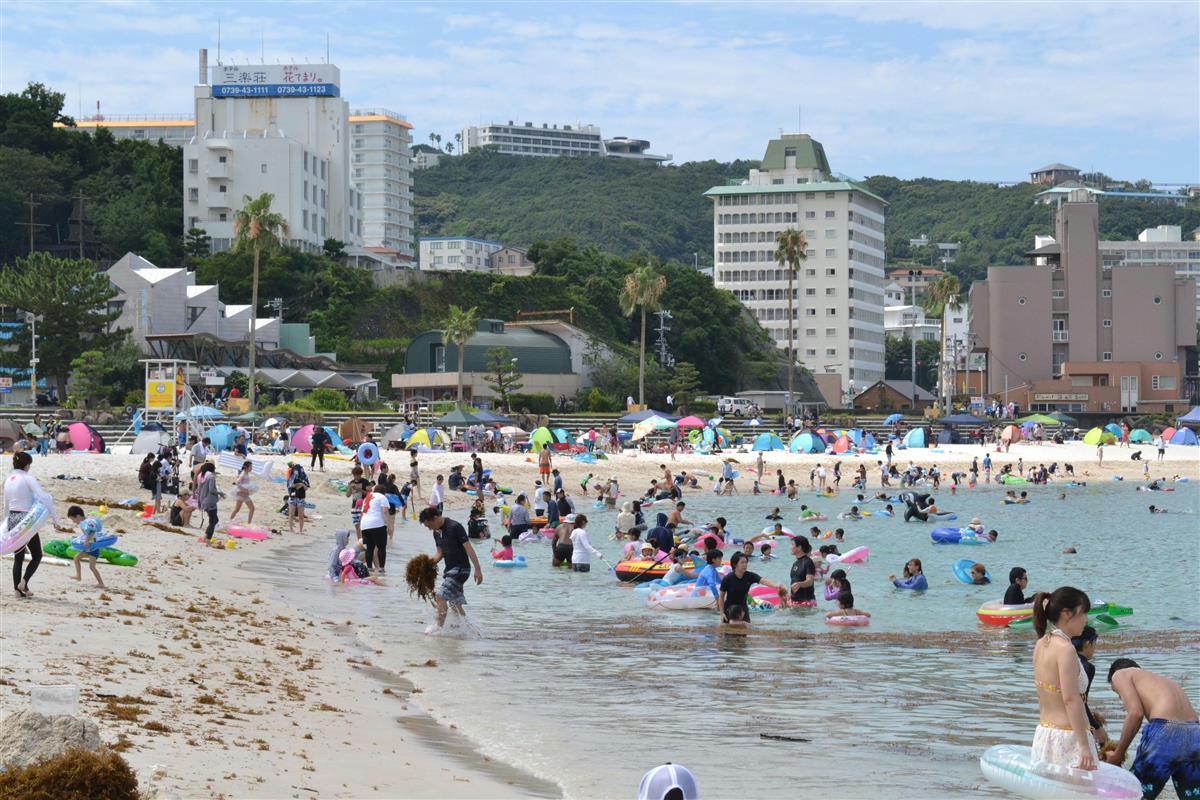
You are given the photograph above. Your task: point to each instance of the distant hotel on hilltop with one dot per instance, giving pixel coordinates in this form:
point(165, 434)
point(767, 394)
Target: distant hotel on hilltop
point(553, 141)
point(838, 291)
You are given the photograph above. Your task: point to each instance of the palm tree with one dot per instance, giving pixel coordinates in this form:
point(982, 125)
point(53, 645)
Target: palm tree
point(943, 293)
point(788, 254)
point(259, 229)
point(643, 288)
point(458, 327)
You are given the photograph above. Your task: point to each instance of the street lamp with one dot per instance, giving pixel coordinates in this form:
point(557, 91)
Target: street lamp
point(33, 359)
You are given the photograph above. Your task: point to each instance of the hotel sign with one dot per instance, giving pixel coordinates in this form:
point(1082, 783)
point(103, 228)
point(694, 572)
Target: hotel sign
point(275, 80)
point(1079, 398)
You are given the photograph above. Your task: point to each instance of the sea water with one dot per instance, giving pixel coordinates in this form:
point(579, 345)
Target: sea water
point(576, 680)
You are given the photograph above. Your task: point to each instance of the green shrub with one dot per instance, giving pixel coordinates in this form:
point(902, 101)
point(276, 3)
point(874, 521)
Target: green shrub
point(536, 403)
point(74, 775)
point(594, 400)
point(324, 400)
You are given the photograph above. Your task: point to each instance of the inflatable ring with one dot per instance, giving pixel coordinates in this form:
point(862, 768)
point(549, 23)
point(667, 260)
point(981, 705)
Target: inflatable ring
point(999, 615)
point(368, 453)
point(962, 571)
point(518, 561)
point(14, 538)
point(856, 621)
point(1013, 768)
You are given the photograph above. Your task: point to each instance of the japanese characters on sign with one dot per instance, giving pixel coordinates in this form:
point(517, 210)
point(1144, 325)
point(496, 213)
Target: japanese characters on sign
point(275, 80)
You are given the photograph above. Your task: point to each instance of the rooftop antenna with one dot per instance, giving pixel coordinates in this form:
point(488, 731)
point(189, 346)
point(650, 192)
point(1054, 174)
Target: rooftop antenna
point(326, 47)
point(800, 118)
point(262, 53)
point(218, 40)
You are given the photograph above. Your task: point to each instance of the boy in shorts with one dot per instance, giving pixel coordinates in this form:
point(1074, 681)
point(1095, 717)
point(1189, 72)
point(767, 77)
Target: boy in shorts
point(454, 548)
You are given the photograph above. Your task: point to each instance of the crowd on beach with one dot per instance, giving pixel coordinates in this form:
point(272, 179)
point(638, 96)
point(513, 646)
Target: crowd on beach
point(182, 480)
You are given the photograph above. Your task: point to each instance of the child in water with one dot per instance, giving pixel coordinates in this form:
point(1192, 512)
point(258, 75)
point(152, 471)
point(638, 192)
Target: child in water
point(775, 515)
point(979, 575)
point(845, 601)
point(765, 552)
point(836, 583)
point(505, 553)
point(1085, 646)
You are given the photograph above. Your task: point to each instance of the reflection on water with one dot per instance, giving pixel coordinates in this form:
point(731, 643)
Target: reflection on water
point(578, 682)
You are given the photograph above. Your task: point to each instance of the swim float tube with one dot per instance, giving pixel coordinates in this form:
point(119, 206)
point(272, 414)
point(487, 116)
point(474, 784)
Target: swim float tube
point(518, 561)
point(681, 598)
point(1013, 768)
point(856, 556)
point(99, 543)
point(641, 571)
point(814, 518)
point(784, 531)
point(61, 548)
point(14, 538)
point(962, 571)
point(247, 532)
point(997, 614)
point(856, 621)
point(956, 536)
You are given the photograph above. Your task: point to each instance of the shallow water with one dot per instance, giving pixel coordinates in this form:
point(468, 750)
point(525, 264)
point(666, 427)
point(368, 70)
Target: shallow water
point(576, 680)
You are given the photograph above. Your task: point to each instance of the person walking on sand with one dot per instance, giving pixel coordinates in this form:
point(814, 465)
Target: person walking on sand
point(544, 464)
point(297, 486)
point(319, 441)
point(21, 493)
point(243, 487)
point(759, 466)
point(206, 497)
point(454, 548)
point(414, 475)
point(1100, 454)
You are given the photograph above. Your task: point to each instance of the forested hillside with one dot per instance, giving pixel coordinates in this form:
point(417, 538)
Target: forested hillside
point(632, 208)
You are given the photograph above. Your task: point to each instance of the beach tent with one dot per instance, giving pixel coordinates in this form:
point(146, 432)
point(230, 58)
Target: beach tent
point(1011, 433)
point(767, 442)
point(355, 429)
point(868, 442)
point(560, 435)
point(149, 442)
point(1114, 429)
point(1184, 436)
point(302, 439)
point(842, 444)
point(1167, 434)
point(541, 438)
point(638, 416)
point(753, 421)
point(1099, 436)
point(917, 437)
point(222, 436)
point(806, 443)
point(1190, 418)
point(428, 439)
point(10, 432)
point(396, 433)
point(85, 437)
point(948, 436)
point(892, 419)
point(961, 419)
point(1140, 435)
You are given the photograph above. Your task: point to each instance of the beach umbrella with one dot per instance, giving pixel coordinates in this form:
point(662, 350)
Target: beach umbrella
point(1062, 418)
point(1167, 434)
point(222, 436)
point(429, 438)
point(892, 419)
point(691, 422)
point(514, 431)
point(1140, 435)
point(271, 422)
point(1099, 436)
point(1114, 429)
point(917, 437)
point(1011, 433)
point(754, 422)
point(33, 429)
point(638, 416)
point(1044, 419)
point(806, 442)
point(201, 412)
point(1027, 427)
point(250, 416)
point(842, 444)
point(768, 442)
point(541, 438)
point(1184, 436)
point(961, 419)
point(459, 419)
point(302, 439)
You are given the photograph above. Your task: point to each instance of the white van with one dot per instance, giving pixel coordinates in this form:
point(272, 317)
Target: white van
point(734, 406)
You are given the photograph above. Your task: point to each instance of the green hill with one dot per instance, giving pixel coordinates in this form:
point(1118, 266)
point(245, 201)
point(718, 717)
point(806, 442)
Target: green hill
point(633, 208)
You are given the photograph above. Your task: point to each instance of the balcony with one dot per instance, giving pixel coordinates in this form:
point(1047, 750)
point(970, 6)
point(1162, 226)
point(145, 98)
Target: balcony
point(218, 170)
point(1059, 336)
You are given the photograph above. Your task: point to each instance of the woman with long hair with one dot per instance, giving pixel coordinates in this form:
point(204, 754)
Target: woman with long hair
point(21, 493)
point(1063, 736)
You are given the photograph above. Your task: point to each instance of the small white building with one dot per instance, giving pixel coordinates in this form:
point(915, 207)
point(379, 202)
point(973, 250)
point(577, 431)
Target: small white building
point(457, 254)
point(906, 322)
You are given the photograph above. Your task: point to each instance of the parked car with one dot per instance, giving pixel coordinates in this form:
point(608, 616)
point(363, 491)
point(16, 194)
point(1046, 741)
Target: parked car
point(735, 406)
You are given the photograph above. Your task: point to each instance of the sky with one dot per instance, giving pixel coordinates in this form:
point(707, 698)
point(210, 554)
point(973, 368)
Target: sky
point(960, 90)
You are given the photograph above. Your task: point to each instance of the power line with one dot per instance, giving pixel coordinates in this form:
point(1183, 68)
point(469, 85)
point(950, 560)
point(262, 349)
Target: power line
point(31, 225)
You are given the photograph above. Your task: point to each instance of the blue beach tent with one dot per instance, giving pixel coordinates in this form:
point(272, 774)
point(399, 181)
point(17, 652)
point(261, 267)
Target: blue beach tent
point(768, 442)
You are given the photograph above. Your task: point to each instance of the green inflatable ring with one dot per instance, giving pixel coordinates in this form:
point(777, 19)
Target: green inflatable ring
point(60, 548)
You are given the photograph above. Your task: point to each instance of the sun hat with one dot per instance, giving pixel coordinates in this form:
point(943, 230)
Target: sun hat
point(647, 546)
point(569, 518)
point(658, 782)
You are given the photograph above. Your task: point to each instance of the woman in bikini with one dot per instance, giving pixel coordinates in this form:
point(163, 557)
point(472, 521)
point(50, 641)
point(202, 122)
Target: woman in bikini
point(1063, 736)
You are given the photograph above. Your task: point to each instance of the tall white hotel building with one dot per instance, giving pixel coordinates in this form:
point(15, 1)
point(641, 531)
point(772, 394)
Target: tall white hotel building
point(838, 291)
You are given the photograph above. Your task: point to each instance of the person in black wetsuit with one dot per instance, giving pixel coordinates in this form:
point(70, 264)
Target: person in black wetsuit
point(1018, 579)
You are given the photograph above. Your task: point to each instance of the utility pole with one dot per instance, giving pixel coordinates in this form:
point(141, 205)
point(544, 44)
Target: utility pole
point(82, 235)
point(31, 225)
point(912, 335)
point(664, 354)
point(33, 359)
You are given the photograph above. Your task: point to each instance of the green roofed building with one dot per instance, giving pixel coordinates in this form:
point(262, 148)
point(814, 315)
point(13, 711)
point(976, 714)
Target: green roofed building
point(837, 294)
point(548, 352)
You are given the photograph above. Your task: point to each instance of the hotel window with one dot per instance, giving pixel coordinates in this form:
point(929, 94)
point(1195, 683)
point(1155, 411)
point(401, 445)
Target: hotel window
point(1106, 356)
point(222, 217)
point(829, 195)
point(305, 219)
point(810, 195)
point(1106, 292)
point(831, 351)
point(193, 195)
point(262, 168)
point(1158, 356)
point(831, 312)
point(1057, 294)
point(1157, 300)
point(830, 292)
point(1022, 356)
point(831, 233)
point(810, 331)
point(1163, 382)
point(830, 215)
point(831, 331)
point(831, 272)
point(810, 253)
point(830, 252)
point(222, 188)
point(810, 353)
point(810, 273)
point(810, 292)
point(1107, 323)
point(222, 159)
point(810, 215)
point(810, 312)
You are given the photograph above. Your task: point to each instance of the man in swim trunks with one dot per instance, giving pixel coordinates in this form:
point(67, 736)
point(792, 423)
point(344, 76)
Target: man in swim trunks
point(454, 548)
point(1170, 746)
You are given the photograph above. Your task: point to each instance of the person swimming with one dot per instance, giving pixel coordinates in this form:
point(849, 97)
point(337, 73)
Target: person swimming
point(775, 515)
point(979, 575)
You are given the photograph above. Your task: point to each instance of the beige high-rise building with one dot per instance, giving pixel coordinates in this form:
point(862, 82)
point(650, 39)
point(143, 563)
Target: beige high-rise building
point(838, 292)
point(1070, 332)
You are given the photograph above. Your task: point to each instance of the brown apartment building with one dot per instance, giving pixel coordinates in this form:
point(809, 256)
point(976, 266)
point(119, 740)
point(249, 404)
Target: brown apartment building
point(1066, 333)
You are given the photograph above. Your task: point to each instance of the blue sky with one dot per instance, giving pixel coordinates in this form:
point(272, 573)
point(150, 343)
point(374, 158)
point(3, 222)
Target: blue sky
point(982, 91)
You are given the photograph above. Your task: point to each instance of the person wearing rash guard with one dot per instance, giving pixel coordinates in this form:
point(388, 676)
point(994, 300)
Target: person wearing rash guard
point(913, 578)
